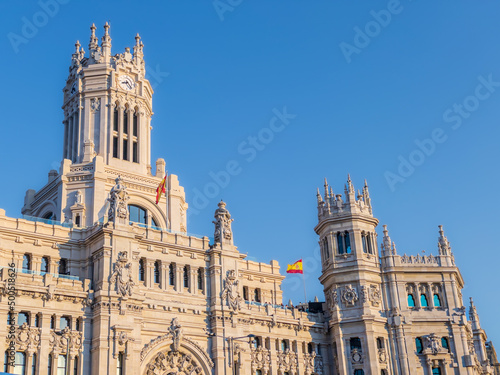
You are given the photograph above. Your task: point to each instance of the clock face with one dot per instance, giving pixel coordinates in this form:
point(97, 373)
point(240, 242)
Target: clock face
point(126, 82)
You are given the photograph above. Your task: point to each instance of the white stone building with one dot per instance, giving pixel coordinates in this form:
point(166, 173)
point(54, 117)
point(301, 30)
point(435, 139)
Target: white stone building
point(99, 279)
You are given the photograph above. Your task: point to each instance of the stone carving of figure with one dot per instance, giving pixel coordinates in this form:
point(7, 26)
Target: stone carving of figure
point(122, 275)
point(118, 198)
point(223, 222)
point(78, 197)
point(176, 331)
point(230, 293)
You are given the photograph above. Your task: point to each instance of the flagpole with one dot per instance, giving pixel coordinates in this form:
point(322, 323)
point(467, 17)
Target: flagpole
point(304, 282)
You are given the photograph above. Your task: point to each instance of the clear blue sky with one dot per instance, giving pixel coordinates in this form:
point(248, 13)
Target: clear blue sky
point(361, 103)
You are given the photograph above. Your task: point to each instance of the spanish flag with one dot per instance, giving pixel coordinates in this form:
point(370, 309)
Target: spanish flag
point(161, 189)
point(295, 268)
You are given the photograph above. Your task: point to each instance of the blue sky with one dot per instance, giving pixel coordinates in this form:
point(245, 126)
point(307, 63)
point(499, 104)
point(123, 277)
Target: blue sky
point(419, 87)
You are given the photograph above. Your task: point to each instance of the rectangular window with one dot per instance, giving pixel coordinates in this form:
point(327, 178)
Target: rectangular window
point(125, 149)
point(115, 147)
point(125, 122)
point(134, 125)
point(115, 120)
point(135, 158)
point(61, 365)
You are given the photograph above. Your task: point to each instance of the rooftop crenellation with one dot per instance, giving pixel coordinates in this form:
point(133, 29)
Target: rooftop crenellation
point(331, 204)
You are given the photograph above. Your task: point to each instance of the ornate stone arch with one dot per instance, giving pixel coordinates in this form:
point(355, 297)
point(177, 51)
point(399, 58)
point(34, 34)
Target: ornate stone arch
point(47, 207)
point(159, 357)
point(146, 203)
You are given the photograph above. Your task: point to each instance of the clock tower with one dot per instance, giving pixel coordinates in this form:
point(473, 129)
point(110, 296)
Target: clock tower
point(108, 106)
point(107, 138)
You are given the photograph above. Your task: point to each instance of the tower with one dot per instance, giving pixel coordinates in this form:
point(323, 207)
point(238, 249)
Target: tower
point(108, 106)
point(107, 135)
point(351, 279)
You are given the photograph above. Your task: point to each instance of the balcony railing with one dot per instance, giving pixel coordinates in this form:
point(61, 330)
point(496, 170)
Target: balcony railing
point(39, 273)
point(47, 221)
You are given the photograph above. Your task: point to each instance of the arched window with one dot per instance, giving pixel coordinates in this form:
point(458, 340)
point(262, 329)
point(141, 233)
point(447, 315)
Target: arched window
point(347, 240)
point(23, 317)
point(340, 243)
point(134, 123)
point(61, 365)
point(200, 278)
point(365, 242)
point(437, 301)
point(436, 371)
point(157, 273)
point(20, 363)
point(139, 215)
point(326, 253)
point(125, 120)
point(423, 300)
point(419, 345)
point(26, 262)
point(141, 270)
point(49, 216)
point(445, 344)
point(186, 277)
point(369, 243)
point(411, 300)
point(115, 118)
point(359, 372)
point(171, 274)
point(45, 265)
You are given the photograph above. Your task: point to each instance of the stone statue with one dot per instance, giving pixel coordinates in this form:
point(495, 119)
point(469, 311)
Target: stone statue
point(230, 293)
point(175, 330)
point(122, 275)
point(118, 198)
point(223, 232)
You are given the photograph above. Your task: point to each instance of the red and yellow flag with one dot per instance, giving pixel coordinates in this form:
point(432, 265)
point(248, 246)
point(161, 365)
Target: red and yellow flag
point(295, 268)
point(161, 189)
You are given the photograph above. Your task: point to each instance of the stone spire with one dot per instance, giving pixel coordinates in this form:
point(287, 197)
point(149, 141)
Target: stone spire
point(106, 41)
point(94, 43)
point(473, 316)
point(223, 234)
point(138, 49)
point(443, 244)
point(388, 247)
point(318, 196)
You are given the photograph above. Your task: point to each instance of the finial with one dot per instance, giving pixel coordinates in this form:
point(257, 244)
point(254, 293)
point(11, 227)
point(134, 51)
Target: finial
point(366, 183)
point(331, 192)
point(441, 232)
point(316, 299)
point(106, 29)
point(471, 301)
point(137, 39)
point(77, 46)
point(92, 28)
point(386, 232)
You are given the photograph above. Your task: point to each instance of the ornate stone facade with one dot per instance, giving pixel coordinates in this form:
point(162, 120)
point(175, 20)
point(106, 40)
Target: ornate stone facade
point(106, 281)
